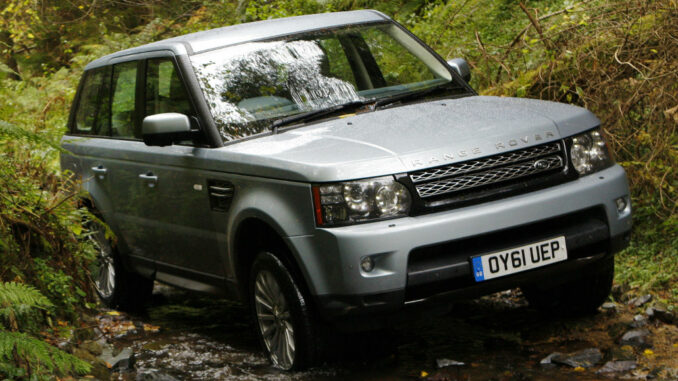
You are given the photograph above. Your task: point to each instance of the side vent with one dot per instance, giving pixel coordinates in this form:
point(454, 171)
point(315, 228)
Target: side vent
point(221, 195)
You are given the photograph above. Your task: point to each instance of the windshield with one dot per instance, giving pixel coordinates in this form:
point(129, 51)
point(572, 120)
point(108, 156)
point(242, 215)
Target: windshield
point(249, 86)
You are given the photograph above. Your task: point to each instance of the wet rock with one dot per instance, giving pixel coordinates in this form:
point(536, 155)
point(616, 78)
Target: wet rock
point(638, 321)
point(617, 366)
point(660, 312)
point(649, 311)
point(584, 358)
point(548, 360)
point(122, 362)
point(99, 366)
point(444, 363)
point(636, 338)
point(640, 300)
point(609, 308)
point(93, 347)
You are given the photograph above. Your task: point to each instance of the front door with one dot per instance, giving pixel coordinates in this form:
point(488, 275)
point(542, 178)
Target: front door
point(161, 196)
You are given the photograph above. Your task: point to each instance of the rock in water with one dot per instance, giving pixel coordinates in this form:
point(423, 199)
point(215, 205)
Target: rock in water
point(639, 321)
point(548, 360)
point(617, 366)
point(640, 300)
point(584, 358)
point(636, 338)
point(122, 362)
point(443, 363)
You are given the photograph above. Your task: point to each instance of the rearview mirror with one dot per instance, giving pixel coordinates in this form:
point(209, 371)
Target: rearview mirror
point(461, 67)
point(164, 129)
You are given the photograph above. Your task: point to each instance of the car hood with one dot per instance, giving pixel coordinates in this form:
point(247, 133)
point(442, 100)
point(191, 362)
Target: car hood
point(406, 138)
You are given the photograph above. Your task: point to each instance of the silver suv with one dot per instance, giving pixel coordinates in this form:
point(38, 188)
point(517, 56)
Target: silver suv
point(332, 169)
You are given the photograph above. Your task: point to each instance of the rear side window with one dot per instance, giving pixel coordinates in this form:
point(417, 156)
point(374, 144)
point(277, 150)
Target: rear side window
point(91, 116)
point(123, 102)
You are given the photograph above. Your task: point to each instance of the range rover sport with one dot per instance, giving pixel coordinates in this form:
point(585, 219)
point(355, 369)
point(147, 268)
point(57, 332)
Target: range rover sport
point(332, 169)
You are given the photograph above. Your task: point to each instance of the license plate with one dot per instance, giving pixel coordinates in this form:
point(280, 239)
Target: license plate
point(518, 259)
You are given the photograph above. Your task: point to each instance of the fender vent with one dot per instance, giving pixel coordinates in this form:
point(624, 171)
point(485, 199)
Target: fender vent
point(221, 195)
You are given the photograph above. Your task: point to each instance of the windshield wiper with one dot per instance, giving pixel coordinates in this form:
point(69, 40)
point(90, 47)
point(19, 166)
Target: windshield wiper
point(414, 94)
point(315, 114)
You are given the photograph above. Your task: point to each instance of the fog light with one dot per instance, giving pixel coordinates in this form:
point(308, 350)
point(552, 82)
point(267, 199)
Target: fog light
point(621, 204)
point(367, 264)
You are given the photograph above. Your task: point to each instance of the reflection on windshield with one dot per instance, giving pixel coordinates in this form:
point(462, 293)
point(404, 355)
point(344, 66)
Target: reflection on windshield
point(266, 80)
point(248, 86)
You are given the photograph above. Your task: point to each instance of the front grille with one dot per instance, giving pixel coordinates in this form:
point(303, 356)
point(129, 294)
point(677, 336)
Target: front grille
point(490, 171)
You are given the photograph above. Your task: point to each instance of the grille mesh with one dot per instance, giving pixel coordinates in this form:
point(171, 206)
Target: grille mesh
point(492, 161)
point(492, 170)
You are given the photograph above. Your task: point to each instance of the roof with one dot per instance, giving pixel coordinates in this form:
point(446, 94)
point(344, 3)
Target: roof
point(235, 34)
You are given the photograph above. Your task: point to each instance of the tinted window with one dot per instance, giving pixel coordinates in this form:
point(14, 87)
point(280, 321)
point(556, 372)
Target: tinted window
point(164, 90)
point(122, 105)
point(92, 117)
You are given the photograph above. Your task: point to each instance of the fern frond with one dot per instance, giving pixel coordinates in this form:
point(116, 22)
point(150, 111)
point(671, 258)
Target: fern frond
point(44, 359)
point(18, 299)
point(12, 131)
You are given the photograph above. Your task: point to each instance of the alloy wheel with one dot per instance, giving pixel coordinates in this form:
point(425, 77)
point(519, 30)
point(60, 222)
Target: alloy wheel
point(104, 280)
point(275, 321)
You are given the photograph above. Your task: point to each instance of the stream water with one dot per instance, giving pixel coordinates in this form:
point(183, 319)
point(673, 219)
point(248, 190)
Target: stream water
point(497, 338)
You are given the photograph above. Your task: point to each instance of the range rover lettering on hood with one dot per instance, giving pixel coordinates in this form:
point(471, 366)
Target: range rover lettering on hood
point(524, 139)
point(476, 151)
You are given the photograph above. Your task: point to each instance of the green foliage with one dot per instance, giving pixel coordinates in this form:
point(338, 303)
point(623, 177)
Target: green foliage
point(42, 262)
point(25, 357)
point(59, 287)
point(17, 301)
point(650, 264)
point(11, 131)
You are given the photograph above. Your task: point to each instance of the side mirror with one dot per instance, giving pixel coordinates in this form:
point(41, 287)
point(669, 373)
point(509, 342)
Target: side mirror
point(164, 129)
point(461, 67)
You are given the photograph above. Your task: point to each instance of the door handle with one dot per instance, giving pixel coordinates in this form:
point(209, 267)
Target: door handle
point(100, 171)
point(149, 178)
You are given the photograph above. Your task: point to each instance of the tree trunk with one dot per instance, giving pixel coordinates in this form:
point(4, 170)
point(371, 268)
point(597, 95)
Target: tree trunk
point(7, 43)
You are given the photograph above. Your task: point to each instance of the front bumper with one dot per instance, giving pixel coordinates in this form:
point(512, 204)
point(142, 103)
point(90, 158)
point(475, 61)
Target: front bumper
point(420, 258)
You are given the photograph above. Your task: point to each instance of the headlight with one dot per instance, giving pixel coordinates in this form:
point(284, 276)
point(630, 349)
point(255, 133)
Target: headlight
point(359, 201)
point(589, 152)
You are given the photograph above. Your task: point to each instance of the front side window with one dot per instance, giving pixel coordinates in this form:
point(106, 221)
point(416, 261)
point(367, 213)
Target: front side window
point(165, 92)
point(249, 86)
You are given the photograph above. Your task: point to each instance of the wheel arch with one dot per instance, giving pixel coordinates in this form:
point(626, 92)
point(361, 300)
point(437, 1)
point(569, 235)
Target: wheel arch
point(254, 234)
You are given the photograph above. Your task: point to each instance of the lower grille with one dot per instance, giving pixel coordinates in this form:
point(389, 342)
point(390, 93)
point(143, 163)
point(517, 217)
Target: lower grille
point(490, 171)
point(446, 266)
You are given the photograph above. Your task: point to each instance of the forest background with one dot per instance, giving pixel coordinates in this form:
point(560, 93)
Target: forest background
point(618, 58)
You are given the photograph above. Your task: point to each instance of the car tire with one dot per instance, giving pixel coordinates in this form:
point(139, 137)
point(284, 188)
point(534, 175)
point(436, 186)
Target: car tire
point(283, 317)
point(581, 295)
point(117, 287)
